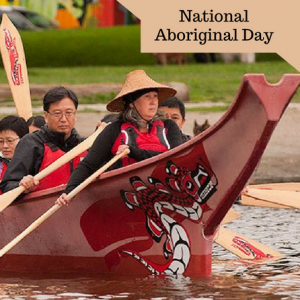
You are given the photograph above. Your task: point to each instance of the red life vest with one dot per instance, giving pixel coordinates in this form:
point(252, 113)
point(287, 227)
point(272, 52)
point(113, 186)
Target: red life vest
point(61, 175)
point(3, 167)
point(154, 140)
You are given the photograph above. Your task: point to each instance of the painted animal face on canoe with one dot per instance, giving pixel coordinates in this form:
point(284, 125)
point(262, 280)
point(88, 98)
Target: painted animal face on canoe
point(186, 194)
point(198, 184)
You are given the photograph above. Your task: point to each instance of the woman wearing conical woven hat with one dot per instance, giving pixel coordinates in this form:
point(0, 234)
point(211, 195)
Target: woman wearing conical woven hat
point(140, 127)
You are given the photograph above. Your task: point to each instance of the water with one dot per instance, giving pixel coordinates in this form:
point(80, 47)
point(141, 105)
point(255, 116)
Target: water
point(232, 278)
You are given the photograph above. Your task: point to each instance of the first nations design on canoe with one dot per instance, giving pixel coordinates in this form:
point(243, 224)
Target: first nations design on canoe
point(158, 215)
point(186, 194)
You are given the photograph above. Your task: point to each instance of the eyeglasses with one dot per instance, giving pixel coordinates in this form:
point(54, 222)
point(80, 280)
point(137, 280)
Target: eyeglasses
point(8, 141)
point(58, 115)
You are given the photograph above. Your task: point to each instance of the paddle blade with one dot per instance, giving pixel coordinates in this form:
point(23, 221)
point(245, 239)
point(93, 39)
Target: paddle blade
point(286, 198)
point(251, 201)
point(231, 216)
point(8, 198)
point(286, 186)
point(14, 62)
point(244, 247)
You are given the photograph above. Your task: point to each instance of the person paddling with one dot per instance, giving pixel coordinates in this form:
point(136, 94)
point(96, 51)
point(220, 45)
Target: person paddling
point(39, 149)
point(174, 109)
point(35, 123)
point(12, 129)
point(140, 127)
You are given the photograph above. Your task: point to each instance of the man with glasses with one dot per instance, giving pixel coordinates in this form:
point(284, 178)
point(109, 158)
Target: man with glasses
point(12, 128)
point(39, 149)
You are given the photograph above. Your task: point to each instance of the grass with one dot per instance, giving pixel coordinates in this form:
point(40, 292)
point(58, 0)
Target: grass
point(206, 82)
point(97, 98)
point(216, 108)
point(113, 46)
point(84, 47)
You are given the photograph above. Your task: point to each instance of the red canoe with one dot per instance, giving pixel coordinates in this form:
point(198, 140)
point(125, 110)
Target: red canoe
point(157, 216)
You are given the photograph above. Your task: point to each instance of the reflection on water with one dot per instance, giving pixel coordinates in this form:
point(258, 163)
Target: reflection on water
point(232, 278)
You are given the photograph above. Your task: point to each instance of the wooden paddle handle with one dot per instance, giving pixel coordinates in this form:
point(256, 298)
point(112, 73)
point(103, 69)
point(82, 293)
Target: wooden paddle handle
point(7, 198)
point(54, 208)
point(85, 183)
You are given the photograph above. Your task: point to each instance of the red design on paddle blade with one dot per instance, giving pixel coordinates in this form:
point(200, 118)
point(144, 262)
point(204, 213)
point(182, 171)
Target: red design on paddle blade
point(248, 248)
point(16, 70)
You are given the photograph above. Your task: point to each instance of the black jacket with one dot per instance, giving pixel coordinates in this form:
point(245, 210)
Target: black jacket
point(100, 152)
point(29, 154)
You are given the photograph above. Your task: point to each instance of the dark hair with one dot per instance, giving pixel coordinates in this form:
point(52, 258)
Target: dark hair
point(16, 124)
point(131, 97)
point(110, 118)
point(58, 93)
point(174, 102)
point(37, 121)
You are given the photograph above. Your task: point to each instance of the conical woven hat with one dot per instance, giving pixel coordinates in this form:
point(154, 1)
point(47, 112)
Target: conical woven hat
point(135, 81)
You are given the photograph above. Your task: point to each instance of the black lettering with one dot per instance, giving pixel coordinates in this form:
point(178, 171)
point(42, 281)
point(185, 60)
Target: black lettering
point(196, 18)
point(160, 35)
point(218, 17)
point(228, 16)
point(188, 17)
point(171, 35)
point(246, 35)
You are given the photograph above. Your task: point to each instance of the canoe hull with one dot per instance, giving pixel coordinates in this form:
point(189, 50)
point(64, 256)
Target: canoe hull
point(103, 236)
point(157, 216)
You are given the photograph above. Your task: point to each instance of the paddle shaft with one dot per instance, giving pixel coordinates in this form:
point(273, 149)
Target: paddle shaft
point(55, 207)
point(7, 198)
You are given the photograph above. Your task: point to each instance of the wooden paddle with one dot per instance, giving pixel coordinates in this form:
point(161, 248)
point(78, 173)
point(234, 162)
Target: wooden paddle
point(230, 216)
point(286, 186)
point(14, 62)
point(242, 246)
point(252, 201)
point(286, 198)
point(7, 198)
point(55, 207)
